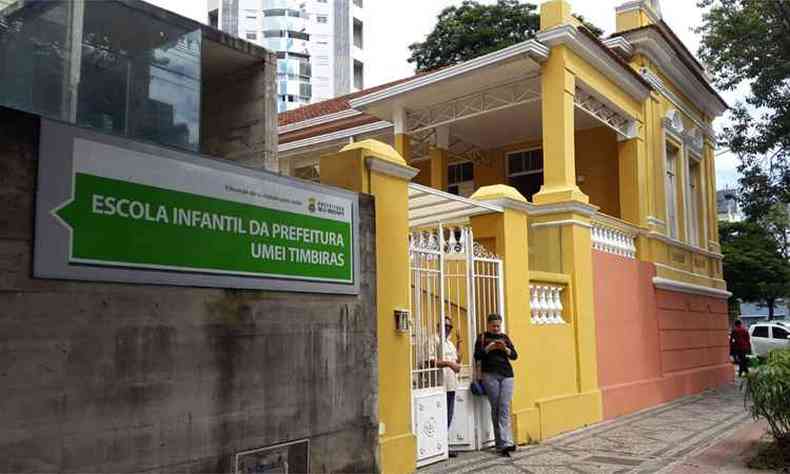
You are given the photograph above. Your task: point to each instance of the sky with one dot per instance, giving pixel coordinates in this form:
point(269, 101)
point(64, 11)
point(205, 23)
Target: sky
point(392, 25)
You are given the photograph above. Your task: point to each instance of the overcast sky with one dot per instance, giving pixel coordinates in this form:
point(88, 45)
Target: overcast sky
point(392, 25)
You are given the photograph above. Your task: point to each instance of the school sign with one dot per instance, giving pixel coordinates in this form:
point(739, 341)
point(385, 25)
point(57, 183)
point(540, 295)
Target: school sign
point(122, 211)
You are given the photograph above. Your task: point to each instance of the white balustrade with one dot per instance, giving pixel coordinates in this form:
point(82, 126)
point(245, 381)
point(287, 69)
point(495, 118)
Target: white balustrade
point(546, 304)
point(612, 240)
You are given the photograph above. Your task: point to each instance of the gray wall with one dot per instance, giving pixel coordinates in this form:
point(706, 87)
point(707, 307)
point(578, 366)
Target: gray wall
point(342, 26)
point(239, 116)
point(119, 378)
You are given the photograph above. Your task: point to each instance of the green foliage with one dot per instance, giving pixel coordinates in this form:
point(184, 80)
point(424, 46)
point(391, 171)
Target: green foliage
point(471, 30)
point(748, 41)
point(767, 388)
point(754, 267)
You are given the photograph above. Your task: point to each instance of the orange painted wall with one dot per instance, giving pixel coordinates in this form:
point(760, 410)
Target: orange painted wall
point(654, 345)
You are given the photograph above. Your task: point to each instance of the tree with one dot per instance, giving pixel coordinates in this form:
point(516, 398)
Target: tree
point(471, 30)
point(754, 268)
point(748, 41)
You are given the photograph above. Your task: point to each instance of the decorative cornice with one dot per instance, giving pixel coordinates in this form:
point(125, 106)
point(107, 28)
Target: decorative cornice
point(531, 48)
point(651, 43)
point(509, 203)
point(658, 84)
point(561, 223)
point(389, 168)
point(620, 45)
point(596, 55)
point(674, 285)
point(676, 243)
point(340, 134)
point(587, 210)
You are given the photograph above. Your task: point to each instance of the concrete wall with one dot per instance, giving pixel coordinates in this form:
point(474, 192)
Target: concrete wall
point(239, 116)
point(654, 345)
point(118, 378)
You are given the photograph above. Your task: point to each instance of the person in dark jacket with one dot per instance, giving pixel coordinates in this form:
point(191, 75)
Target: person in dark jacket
point(740, 346)
point(495, 350)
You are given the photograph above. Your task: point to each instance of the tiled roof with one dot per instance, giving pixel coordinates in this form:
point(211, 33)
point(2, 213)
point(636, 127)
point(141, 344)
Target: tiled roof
point(329, 127)
point(331, 106)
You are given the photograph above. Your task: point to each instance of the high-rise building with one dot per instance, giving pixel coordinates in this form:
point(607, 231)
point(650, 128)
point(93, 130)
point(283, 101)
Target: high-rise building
point(319, 43)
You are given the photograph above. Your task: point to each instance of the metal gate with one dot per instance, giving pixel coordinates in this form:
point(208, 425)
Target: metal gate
point(451, 276)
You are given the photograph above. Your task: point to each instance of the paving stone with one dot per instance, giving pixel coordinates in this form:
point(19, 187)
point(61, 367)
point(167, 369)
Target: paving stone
point(644, 442)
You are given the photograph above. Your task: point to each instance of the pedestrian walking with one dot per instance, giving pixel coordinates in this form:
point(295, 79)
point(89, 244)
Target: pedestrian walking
point(450, 362)
point(495, 350)
point(740, 346)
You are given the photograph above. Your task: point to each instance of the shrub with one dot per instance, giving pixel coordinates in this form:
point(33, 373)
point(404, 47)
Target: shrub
point(767, 387)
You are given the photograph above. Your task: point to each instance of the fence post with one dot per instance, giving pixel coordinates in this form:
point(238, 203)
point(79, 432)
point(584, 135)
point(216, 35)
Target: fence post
point(375, 168)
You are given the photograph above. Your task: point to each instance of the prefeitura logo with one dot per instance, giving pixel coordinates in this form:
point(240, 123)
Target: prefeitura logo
point(322, 207)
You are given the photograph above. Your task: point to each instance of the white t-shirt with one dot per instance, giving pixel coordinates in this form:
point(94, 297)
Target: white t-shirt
point(450, 354)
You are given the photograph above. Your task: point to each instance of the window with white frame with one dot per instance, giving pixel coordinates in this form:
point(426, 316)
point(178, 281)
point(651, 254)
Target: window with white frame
point(693, 201)
point(525, 171)
point(322, 19)
point(670, 182)
point(461, 179)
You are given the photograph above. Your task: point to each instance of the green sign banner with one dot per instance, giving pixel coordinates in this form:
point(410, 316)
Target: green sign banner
point(119, 211)
point(118, 222)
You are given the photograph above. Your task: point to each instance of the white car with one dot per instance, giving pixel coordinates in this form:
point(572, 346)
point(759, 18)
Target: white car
point(769, 336)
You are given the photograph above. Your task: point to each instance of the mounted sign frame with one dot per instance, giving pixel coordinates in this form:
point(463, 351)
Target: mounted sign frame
point(115, 210)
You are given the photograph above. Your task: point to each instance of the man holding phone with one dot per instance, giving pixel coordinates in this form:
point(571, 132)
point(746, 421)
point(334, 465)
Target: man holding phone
point(495, 350)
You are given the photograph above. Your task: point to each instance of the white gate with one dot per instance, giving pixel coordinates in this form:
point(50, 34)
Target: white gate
point(451, 276)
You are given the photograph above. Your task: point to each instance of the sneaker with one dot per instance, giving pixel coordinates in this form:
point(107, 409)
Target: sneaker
point(511, 448)
point(505, 453)
point(452, 454)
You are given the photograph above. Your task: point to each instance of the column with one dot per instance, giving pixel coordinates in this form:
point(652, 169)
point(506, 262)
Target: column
point(559, 161)
point(375, 168)
point(439, 159)
point(633, 180)
point(402, 139)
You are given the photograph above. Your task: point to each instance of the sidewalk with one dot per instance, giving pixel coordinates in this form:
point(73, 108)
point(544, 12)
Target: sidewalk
point(674, 438)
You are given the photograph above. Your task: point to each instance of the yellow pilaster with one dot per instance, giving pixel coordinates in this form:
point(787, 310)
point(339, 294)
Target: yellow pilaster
point(574, 401)
point(439, 168)
point(658, 161)
point(709, 156)
point(554, 13)
point(556, 386)
point(375, 168)
point(559, 168)
point(633, 18)
point(634, 190)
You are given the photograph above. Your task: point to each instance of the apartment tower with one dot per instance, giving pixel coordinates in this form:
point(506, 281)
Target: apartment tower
point(319, 43)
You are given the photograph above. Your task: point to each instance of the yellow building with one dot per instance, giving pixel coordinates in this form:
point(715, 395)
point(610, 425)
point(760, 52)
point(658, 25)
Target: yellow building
point(567, 182)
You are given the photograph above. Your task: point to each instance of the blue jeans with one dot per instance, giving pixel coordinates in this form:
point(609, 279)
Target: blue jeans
point(499, 390)
point(450, 408)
